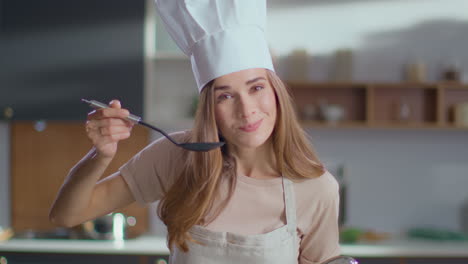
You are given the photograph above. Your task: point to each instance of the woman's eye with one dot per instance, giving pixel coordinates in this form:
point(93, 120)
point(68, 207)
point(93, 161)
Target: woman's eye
point(224, 97)
point(258, 87)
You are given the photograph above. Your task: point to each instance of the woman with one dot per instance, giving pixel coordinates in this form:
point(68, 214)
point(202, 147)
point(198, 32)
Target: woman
point(237, 204)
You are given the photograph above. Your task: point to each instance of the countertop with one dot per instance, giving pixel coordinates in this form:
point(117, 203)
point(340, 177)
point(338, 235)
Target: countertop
point(154, 245)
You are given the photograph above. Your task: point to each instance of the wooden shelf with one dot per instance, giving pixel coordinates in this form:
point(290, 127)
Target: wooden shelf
point(380, 125)
point(380, 105)
point(343, 124)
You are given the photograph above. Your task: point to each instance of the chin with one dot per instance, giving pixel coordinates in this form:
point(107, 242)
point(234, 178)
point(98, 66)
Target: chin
point(252, 141)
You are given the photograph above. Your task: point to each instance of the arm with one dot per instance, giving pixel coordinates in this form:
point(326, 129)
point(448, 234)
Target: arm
point(81, 196)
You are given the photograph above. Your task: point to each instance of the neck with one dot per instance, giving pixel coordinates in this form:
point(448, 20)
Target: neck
point(257, 162)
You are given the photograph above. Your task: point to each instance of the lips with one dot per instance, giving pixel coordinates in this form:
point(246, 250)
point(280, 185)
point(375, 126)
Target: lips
point(251, 127)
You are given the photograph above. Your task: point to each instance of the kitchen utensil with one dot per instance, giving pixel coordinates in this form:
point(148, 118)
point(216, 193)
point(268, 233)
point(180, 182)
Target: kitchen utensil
point(195, 146)
point(341, 260)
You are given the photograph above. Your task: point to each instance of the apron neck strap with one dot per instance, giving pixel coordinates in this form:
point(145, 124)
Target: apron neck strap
point(289, 204)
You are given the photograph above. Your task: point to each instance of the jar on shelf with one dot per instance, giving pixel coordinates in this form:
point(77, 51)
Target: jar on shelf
point(342, 69)
point(298, 65)
point(415, 72)
point(451, 72)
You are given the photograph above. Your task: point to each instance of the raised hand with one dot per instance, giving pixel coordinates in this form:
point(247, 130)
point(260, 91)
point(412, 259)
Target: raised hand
point(106, 127)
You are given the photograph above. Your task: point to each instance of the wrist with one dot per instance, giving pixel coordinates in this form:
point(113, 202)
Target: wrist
point(99, 157)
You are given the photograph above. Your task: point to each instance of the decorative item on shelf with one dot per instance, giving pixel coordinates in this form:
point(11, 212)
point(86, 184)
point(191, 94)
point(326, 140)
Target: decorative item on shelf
point(451, 72)
point(342, 69)
point(309, 112)
point(464, 77)
point(331, 113)
point(460, 116)
point(402, 111)
point(298, 62)
point(415, 72)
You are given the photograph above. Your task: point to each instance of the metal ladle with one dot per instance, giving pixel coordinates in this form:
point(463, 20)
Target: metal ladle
point(341, 260)
point(195, 146)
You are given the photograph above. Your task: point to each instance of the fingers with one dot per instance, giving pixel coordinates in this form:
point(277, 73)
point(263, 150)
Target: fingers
point(103, 132)
point(114, 111)
point(108, 122)
point(115, 104)
point(108, 125)
point(99, 140)
point(108, 113)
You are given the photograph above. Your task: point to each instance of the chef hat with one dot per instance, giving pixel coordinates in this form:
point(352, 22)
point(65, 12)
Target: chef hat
point(219, 36)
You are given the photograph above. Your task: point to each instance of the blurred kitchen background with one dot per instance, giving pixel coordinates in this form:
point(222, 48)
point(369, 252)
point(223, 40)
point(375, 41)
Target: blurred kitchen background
point(53, 53)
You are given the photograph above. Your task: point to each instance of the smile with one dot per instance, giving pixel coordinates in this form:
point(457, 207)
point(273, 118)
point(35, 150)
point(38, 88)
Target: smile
point(251, 127)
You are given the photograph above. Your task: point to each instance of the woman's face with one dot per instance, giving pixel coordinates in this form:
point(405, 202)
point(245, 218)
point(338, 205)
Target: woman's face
point(245, 107)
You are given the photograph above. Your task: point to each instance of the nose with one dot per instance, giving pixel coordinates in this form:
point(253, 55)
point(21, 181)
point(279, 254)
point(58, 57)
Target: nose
point(246, 106)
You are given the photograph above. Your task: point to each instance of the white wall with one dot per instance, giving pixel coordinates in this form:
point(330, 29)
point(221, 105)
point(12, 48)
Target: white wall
point(4, 175)
point(383, 35)
point(400, 178)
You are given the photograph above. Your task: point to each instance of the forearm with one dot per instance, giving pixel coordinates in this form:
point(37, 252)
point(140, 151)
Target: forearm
point(75, 195)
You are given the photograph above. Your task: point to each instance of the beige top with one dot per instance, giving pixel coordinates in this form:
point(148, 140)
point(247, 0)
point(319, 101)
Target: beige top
point(257, 206)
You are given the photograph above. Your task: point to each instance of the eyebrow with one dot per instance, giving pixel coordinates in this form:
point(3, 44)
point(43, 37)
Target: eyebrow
point(225, 87)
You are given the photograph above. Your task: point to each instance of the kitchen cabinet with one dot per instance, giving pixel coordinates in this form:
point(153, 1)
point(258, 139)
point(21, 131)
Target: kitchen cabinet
point(42, 153)
point(4, 175)
point(379, 105)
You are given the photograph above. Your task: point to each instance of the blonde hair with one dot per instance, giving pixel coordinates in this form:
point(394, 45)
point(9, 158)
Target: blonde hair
point(191, 197)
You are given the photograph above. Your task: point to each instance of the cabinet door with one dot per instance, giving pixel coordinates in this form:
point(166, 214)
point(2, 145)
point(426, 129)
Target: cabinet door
point(42, 155)
point(53, 53)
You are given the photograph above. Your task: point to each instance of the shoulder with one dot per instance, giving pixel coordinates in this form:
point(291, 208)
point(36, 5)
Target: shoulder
point(323, 189)
point(162, 150)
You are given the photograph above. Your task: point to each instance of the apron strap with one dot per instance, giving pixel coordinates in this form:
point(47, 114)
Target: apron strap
point(290, 205)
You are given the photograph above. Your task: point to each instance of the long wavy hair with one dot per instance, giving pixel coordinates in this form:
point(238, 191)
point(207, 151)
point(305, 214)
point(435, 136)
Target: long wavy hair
point(189, 200)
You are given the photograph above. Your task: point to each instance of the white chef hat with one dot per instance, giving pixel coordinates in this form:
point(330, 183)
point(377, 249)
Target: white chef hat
point(219, 36)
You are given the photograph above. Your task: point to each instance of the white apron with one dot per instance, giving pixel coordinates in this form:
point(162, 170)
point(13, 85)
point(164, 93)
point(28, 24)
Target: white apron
point(280, 246)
